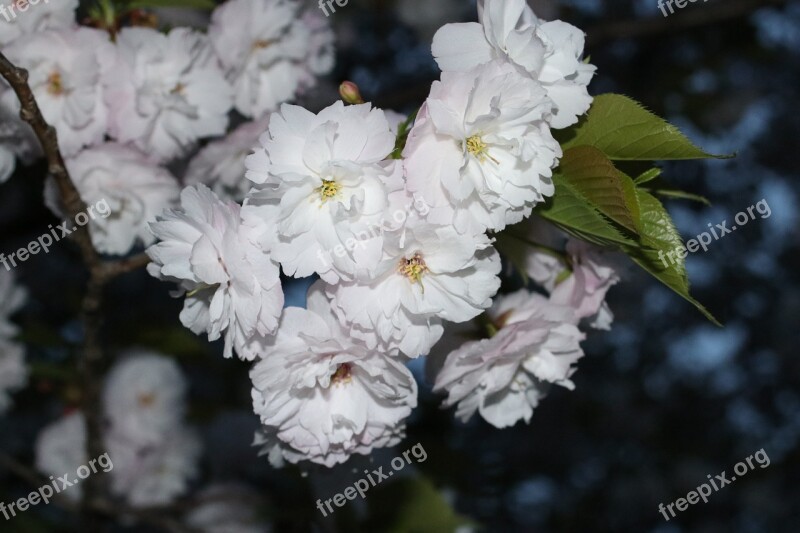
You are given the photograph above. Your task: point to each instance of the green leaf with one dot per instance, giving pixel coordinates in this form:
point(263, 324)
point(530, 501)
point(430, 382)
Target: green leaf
point(411, 505)
point(682, 195)
point(570, 211)
point(624, 130)
point(402, 135)
point(152, 4)
point(659, 237)
point(649, 175)
point(592, 175)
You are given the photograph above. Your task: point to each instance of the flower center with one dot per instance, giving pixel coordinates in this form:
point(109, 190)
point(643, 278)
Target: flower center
point(413, 268)
point(342, 375)
point(263, 43)
point(55, 85)
point(146, 400)
point(178, 89)
point(329, 189)
point(479, 149)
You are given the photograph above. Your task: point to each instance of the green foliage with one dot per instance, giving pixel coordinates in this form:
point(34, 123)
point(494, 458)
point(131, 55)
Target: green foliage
point(624, 130)
point(597, 202)
point(659, 236)
point(402, 135)
point(412, 505)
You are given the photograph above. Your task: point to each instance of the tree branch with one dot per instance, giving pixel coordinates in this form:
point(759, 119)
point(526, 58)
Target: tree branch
point(692, 17)
point(90, 364)
point(30, 113)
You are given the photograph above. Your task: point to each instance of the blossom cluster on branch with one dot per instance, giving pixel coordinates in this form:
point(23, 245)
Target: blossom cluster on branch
point(408, 225)
point(402, 242)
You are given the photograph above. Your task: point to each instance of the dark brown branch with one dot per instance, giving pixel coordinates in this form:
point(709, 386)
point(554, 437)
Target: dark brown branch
point(157, 516)
point(91, 362)
point(691, 17)
point(30, 113)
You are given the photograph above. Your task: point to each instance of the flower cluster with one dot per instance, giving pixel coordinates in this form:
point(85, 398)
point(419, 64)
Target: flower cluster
point(13, 371)
point(400, 236)
point(154, 455)
point(126, 107)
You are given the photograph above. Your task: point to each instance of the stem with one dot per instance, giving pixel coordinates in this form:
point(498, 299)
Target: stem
point(91, 363)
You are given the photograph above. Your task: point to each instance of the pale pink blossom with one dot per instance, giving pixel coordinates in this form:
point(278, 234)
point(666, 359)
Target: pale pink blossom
point(534, 345)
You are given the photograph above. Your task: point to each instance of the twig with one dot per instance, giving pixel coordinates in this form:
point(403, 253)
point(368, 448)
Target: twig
point(30, 113)
point(692, 17)
point(156, 516)
point(90, 365)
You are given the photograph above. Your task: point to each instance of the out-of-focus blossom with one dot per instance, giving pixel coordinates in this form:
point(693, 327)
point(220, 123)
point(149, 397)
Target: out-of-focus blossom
point(46, 15)
point(66, 69)
point(220, 164)
point(270, 50)
point(124, 190)
point(13, 370)
point(144, 396)
point(165, 92)
point(227, 508)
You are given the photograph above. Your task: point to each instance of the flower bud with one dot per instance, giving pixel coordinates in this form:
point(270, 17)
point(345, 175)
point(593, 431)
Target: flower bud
point(350, 93)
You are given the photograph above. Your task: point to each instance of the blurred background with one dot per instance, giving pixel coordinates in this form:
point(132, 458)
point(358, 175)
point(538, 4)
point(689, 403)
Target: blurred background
point(661, 401)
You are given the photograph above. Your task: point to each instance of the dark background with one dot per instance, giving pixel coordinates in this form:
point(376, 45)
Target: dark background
point(662, 400)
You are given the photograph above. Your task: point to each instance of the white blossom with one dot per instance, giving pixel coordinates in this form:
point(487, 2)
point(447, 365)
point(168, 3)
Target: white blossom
point(66, 68)
point(427, 274)
point(270, 51)
point(144, 396)
point(166, 91)
point(322, 395)
point(60, 449)
point(45, 15)
point(227, 508)
point(325, 185)
point(481, 153)
point(549, 52)
point(593, 273)
point(13, 370)
point(124, 190)
point(232, 286)
point(220, 164)
point(535, 345)
point(147, 476)
point(144, 476)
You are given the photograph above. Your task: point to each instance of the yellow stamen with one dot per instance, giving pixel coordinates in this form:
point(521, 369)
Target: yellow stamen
point(147, 400)
point(329, 189)
point(178, 89)
point(263, 43)
point(55, 85)
point(479, 149)
point(342, 375)
point(413, 268)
